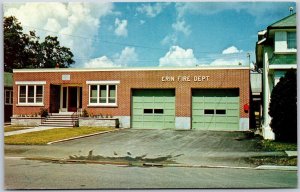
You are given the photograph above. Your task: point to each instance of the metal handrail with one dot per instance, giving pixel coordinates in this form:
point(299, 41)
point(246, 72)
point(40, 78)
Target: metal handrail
point(75, 119)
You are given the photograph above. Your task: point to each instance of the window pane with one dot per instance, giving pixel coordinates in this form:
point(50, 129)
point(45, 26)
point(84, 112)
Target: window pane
point(102, 90)
point(112, 94)
point(102, 93)
point(209, 111)
point(112, 100)
point(158, 111)
point(64, 97)
point(22, 94)
point(291, 40)
point(93, 100)
point(7, 97)
point(112, 91)
point(148, 111)
point(39, 94)
point(30, 98)
point(11, 97)
point(93, 94)
point(221, 111)
point(93, 91)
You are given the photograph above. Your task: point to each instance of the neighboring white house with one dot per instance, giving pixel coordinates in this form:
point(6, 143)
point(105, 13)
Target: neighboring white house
point(276, 52)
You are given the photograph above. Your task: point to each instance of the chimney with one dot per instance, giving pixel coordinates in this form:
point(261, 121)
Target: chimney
point(291, 10)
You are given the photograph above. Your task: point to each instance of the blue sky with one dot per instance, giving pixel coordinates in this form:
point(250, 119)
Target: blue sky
point(147, 34)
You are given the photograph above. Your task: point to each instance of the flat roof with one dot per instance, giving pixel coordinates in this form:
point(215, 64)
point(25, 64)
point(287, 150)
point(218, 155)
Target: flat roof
point(40, 70)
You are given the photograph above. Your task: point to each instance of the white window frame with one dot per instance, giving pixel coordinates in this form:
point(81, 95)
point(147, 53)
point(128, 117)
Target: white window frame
point(107, 84)
point(8, 94)
point(34, 84)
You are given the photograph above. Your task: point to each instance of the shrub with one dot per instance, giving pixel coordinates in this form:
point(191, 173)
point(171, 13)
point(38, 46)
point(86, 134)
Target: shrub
point(283, 108)
point(43, 112)
point(85, 113)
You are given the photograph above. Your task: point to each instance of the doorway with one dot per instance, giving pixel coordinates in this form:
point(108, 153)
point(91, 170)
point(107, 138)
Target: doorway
point(71, 98)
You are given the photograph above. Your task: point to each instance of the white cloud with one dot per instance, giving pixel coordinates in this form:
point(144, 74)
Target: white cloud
point(66, 20)
point(178, 56)
point(100, 62)
point(232, 62)
point(260, 10)
point(121, 27)
point(127, 56)
point(169, 39)
point(151, 10)
point(123, 59)
point(181, 26)
point(231, 50)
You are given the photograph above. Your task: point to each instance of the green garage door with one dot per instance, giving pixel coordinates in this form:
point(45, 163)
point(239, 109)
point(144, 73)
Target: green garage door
point(215, 109)
point(153, 108)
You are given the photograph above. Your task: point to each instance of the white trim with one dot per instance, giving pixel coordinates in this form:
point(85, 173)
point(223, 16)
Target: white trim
point(204, 67)
point(34, 95)
point(283, 66)
point(102, 105)
point(30, 82)
point(103, 82)
point(31, 104)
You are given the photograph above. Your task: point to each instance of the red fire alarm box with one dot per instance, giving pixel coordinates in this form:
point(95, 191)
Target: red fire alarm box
point(246, 108)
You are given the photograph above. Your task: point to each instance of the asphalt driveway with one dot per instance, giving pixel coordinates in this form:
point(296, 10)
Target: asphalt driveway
point(186, 147)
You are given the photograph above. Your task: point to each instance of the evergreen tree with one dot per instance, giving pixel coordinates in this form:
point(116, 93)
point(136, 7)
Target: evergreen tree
point(283, 108)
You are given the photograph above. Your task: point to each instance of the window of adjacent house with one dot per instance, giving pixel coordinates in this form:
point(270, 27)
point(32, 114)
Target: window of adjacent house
point(291, 40)
point(8, 97)
point(31, 94)
point(102, 94)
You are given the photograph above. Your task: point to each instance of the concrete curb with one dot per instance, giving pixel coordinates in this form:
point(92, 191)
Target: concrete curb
point(83, 136)
point(128, 164)
point(277, 167)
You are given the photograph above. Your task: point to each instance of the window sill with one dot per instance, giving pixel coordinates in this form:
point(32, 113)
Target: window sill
point(102, 105)
point(30, 105)
point(288, 51)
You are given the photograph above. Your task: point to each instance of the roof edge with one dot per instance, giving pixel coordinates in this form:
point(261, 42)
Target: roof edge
point(126, 69)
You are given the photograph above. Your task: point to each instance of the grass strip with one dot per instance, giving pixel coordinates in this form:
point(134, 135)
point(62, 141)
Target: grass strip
point(46, 136)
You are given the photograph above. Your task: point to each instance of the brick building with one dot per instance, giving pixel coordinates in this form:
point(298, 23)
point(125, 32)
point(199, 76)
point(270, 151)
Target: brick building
point(206, 98)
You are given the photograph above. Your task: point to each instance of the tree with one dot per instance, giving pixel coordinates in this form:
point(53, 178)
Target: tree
point(283, 108)
point(27, 51)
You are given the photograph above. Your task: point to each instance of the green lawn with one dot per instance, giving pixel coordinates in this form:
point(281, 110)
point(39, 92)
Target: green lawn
point(268, 145)
point(44, 137)
point(14, 128)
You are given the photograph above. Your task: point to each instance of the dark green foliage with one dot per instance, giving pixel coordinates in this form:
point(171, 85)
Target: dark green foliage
point(283, 108)
point(27, 51)
point(43, 112)
point(85, 113)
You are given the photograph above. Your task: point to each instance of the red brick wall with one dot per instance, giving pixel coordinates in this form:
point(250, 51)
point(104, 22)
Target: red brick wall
point(218, 78)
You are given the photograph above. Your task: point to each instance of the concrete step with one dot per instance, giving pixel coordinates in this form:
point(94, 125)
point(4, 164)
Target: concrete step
point(55, 125)
point(58, 120)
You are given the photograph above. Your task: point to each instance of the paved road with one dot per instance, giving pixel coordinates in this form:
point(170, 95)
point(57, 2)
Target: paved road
point(194, 147)
point(25, 174)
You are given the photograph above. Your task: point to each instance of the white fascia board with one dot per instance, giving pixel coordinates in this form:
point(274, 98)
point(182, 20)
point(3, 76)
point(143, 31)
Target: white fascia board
point(30, 82)
point(283, 66)
point(200, 68)
point(103, 82)
point(261, 41)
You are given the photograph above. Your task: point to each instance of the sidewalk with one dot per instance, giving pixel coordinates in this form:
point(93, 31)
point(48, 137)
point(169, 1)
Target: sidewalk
point(28, 130)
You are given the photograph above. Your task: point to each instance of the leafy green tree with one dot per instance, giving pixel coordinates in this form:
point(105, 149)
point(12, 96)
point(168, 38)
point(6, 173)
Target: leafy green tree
point(283, 108)
point(27, 51)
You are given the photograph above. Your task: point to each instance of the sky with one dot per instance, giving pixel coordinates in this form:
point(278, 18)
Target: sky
point(152, 34)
